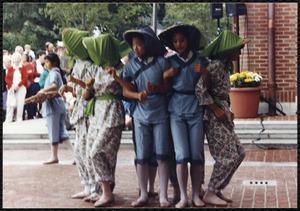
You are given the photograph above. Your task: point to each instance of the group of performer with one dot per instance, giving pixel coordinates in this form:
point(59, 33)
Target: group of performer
point(175, 102)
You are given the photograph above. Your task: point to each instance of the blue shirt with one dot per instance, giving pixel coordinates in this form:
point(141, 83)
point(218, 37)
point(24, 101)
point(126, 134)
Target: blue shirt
point(183, 100)
point(154, 108)
point(54, 105)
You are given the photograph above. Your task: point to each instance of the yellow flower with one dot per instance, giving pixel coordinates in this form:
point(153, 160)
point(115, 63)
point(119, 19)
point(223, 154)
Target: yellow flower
point(245, 79)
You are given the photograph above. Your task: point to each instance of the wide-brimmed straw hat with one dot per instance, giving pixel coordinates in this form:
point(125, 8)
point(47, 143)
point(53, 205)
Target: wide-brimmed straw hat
point(224, 45)
point(196, 40)
point(106, 50)
point(154, 47)
point(72, 40)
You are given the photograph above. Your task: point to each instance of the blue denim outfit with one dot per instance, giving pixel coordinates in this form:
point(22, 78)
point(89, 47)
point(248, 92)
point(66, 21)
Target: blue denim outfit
point(186, 115)
point(55, 111)
point(151, 116)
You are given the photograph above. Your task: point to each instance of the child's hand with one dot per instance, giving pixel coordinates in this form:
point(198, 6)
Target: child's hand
point(89, 83)
point(151, 88)
point(62, 90)
point(170, 73)
point(111, 71)
point(142, 96)
point(41, 96)
point(200, 69)
point(70, 78)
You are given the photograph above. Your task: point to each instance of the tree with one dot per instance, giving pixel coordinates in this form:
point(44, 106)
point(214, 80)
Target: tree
point(113, 18)
point(197, 14)
point(23, 24)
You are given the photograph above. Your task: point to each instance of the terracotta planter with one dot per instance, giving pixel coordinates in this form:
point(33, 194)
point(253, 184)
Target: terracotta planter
point(245, 101)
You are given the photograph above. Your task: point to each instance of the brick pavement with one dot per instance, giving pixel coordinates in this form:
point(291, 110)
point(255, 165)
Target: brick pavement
point(29, 184)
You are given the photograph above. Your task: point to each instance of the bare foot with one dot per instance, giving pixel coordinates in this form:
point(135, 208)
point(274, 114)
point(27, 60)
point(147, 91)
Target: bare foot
point(197, 202)
point(211, 198)
point(140, 202)
point(104, 201)
point(221, 196)
point(80, 195)
point(165, 203)
point(181, 204)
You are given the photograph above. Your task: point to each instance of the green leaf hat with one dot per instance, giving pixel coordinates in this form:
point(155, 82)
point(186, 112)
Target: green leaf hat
point(224, 46)
point(105, 50)
point(72, 39)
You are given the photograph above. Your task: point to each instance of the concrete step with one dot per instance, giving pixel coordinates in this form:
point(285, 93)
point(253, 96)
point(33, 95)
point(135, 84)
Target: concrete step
point(271, 125)
point(283, 133)
point(249, 143)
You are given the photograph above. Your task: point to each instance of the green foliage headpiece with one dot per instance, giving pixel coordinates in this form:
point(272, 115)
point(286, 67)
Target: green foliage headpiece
point(72, 39)
point(106, 50)
point(224, 46)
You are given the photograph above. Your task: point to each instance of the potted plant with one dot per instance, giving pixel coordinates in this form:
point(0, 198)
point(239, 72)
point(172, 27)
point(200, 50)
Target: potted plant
point(244, 94)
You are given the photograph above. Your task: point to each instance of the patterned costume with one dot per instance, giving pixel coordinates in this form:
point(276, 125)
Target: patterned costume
point(222, 141)
point(224, 145)
point(106, 124)
point(80, 72)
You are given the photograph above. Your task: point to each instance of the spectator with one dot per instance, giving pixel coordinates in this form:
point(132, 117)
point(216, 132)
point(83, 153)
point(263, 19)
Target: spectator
point(30, 108)
point(6, 65)
point(63, 58)
point(5, 52)
point(39, 66)
point(19, 49)
point(30, 52)
point(16, 80)
point(49, 47)
point(43, 77)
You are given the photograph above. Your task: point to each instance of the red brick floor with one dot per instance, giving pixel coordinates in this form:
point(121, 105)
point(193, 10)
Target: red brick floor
point(29, 184)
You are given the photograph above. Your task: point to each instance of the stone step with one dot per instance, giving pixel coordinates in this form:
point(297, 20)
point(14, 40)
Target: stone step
point(18, 144)
point(272, 125)
point(241, 133)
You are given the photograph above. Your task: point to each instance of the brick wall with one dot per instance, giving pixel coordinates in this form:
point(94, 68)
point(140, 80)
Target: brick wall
point(255, 55)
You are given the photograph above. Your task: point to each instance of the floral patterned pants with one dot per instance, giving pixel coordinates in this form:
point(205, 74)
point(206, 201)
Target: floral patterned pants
point(80, 152)
point(226, 150)
point(102, 148)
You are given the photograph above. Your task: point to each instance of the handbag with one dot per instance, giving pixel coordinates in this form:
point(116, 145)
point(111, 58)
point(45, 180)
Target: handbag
point(12, 99)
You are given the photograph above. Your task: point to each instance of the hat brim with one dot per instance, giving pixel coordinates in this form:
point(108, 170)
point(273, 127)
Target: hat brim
point(154, 47)
point(195, 39)
point(224, 45)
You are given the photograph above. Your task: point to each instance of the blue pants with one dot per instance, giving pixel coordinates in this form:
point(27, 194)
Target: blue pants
point(56, 128)
point(151, 138)
point(188, 137)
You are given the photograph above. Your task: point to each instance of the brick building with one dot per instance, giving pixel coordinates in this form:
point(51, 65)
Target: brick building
point(282, 19)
